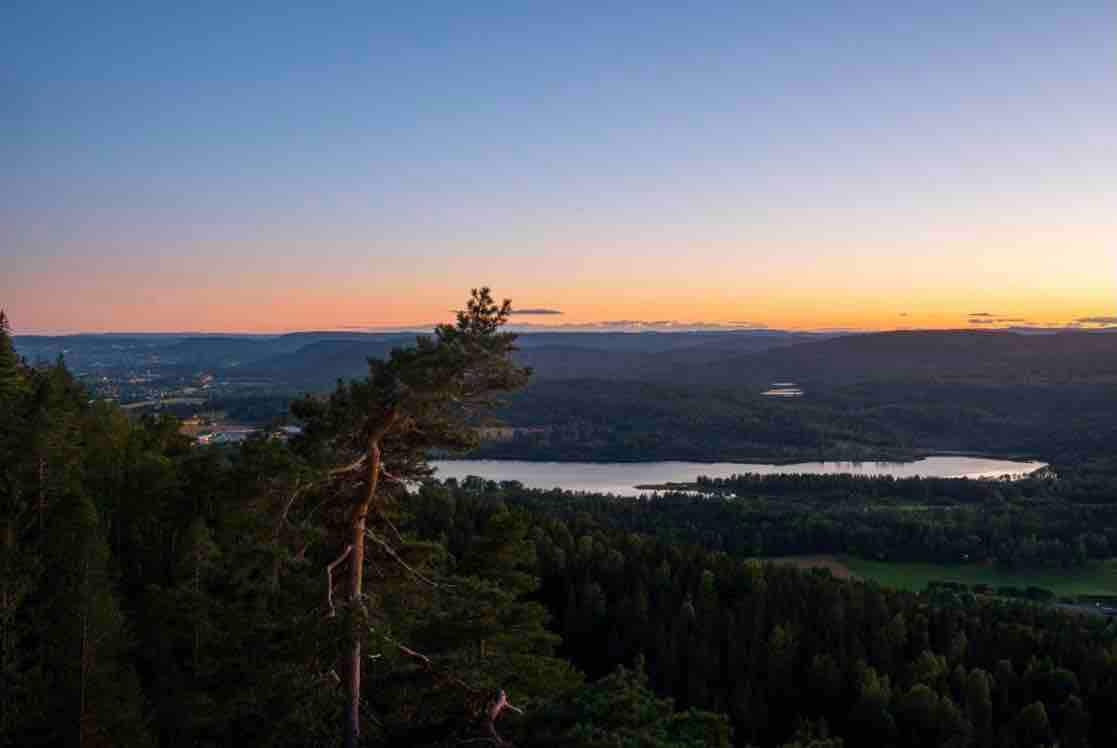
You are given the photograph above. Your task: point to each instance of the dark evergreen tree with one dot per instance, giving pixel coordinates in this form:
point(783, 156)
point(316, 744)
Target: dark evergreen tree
point(621, 711)
point(382, 429)
point(94, 693)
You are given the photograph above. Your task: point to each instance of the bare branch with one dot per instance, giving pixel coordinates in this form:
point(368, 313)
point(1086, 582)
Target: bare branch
point(495, 709)
point(384, 472)
point(492, 712)
point(428, 663)
point(410, 652)
point(392, 552)
point(330, 577)
point(282, 519)
point(347, 468)
point(389, 523)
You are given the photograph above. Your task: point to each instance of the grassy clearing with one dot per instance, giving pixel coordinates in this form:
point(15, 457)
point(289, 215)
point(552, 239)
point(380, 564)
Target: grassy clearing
point(836, 567)
point(1098, 578)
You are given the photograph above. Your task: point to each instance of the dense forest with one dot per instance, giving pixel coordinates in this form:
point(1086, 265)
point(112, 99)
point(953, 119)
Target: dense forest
point(784, 652)
point(297, 592)
point(1037, 521)
point(595, 420)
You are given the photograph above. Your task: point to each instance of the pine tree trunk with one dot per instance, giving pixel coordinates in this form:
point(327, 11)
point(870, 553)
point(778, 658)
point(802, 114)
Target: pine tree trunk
point(7, 617)
point(42, 495)
point(84, 672)
point(357, 525)
point(197, 595)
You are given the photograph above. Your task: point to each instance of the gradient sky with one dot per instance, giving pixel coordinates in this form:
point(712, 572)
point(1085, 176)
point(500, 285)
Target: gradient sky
point(790, 164)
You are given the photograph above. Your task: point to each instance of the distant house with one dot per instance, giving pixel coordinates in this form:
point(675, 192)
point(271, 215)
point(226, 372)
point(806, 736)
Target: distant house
point(508, 433)
point(283, 433)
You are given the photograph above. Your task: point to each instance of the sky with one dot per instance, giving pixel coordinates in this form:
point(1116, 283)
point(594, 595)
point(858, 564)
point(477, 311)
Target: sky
point(800, 165)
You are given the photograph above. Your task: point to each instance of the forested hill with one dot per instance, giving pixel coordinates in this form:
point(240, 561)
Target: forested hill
point(691, 395)
point(736, 360)
point(612, 356)
point(961, 356)
point(751, 361)
point(865, 396)
point(316, 360)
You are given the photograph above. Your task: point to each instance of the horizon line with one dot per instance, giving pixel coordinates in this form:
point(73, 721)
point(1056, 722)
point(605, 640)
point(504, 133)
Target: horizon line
point(587, 328)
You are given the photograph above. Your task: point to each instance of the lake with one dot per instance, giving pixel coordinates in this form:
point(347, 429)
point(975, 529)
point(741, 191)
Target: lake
point(621, 478)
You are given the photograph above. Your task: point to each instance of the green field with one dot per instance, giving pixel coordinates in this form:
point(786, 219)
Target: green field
point(1095, 579)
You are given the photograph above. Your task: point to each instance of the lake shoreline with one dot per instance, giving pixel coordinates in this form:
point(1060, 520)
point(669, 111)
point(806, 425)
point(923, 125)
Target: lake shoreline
point(638, 478)
point(909, 457)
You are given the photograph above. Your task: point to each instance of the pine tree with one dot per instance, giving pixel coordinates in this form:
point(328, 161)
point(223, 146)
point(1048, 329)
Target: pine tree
point(979, 706)
point(94, 692)
point(18, 558)
point(1032, 727)
point(382, 428)
point(621, 710)
point(51, 456)
point(12, 378)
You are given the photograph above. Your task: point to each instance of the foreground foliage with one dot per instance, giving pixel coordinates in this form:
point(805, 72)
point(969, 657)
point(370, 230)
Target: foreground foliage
point(153, 593)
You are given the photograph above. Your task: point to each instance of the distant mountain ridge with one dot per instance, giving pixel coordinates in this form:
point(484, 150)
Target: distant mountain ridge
point(945, 356)
point(734, 360)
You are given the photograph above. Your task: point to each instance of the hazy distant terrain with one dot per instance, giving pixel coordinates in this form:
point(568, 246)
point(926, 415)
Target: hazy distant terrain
point(684, 395)
point(315, 360)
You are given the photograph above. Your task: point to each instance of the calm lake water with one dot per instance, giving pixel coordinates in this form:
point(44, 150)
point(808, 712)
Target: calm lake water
point(621, 478)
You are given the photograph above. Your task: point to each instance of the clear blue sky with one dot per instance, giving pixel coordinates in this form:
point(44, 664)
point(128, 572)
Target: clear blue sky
point(279, 166)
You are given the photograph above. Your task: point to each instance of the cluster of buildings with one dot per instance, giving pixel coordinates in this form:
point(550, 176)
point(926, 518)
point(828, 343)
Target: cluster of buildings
point(208, 430)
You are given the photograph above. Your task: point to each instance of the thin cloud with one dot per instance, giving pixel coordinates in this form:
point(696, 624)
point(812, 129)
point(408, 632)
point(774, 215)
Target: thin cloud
point(1097, 320)
point(537, 311)
point(983, 320)
point(983, 314)
point(639, 325)
point(675, 324)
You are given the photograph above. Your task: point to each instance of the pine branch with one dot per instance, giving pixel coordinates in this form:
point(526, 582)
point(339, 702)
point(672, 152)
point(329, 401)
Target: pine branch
point(492, 712)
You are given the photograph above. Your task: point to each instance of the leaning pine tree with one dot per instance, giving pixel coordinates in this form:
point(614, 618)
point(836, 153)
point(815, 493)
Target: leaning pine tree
point(379, 430)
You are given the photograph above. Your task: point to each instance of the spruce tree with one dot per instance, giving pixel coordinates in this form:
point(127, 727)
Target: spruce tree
point(94, 692)
point(12, 378)
point(18, 558)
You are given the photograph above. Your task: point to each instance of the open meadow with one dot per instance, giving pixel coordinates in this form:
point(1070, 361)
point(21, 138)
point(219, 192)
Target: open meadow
point(1098, 578)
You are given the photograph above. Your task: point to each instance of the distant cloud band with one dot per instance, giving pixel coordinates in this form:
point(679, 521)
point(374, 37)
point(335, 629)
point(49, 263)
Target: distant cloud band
point(537, 311)
point(991, 320)
point(637, 325)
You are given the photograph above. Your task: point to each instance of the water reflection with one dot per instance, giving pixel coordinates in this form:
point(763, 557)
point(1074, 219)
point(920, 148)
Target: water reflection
point(783, 389)
point(621, 478)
